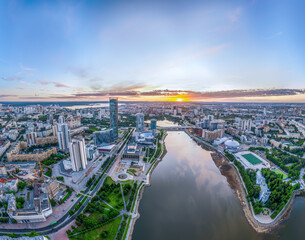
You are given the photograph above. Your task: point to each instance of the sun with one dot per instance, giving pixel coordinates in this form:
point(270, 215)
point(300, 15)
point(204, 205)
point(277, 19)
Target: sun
point(179, 99)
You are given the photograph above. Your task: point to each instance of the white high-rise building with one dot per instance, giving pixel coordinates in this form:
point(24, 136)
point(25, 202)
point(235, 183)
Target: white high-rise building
point(245, 125)
point(140, 122)
point(31, 138)
point(78, 154)
point(61, 119)
point(63, 135)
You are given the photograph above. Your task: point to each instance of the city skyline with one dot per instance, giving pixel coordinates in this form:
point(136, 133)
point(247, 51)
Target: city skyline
point(220, 51)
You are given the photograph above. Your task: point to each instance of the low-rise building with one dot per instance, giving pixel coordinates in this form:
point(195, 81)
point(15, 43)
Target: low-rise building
point(37, 210)
point(132, 152)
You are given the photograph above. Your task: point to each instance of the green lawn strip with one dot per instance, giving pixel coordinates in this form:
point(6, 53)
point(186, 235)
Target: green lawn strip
point(121, 229)
point(281, 173)
point(138, 192)
point(111, 228)
point(68, 195)
point(126, 228)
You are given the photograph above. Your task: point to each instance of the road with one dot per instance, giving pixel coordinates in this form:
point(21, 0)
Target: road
point(66, 218)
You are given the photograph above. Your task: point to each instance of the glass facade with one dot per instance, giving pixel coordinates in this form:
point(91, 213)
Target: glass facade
point(113, 107)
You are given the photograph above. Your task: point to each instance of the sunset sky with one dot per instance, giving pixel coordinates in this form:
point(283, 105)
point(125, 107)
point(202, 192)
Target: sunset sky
point(152, 50)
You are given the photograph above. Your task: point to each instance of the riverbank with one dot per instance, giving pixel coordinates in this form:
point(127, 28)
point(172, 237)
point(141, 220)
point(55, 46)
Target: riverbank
point(141, 191)
point(228, 170)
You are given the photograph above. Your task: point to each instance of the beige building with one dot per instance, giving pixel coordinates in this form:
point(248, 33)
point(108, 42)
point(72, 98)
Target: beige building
point(17, 153)
point(212, 135)
point(46, 140)
point(52, 188)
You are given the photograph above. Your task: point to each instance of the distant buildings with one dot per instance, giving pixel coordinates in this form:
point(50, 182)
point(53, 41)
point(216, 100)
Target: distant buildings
point(104, 137)
point(78, 154)
point(139, 122)
point(113, 107)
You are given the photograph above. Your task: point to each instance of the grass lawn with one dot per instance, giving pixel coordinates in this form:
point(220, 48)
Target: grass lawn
point(115, 197)
point(252, 159)
point(95, 234)
point(279, 172)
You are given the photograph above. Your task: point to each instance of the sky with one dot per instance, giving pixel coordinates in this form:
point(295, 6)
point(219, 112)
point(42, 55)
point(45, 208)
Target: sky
point(226, 51)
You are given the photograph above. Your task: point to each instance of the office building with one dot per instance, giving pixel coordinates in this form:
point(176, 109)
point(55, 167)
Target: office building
point(104, 137)
point(113, 108)
point(139, 122)
point(78, 154)
point(153, 124)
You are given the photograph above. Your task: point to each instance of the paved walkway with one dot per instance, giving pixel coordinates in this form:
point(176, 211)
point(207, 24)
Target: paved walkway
point(123, 195)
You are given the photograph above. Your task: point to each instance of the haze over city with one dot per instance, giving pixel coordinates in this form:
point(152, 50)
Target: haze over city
point(231, 51)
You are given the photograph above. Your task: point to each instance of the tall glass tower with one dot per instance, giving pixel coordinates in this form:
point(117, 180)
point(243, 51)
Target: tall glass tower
point(113, 106)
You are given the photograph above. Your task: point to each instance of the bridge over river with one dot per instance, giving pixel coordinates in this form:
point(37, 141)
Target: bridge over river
point(175, 128)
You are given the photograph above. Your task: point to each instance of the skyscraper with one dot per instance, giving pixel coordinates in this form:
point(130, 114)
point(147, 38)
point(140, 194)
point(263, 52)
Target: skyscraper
point(113, 106)
point(61, 119)
point(63, 136)
point(139, 122)
point(78, 154)
point(153, 124)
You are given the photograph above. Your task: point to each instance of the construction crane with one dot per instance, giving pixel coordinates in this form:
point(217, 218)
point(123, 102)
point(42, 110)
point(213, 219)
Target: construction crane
point(44, 179)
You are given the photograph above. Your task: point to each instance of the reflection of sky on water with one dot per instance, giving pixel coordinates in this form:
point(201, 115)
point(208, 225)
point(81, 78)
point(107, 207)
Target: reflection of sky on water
point(197, 163)
point(190, 199)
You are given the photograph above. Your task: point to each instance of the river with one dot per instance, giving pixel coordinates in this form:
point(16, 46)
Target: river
point(190, 199)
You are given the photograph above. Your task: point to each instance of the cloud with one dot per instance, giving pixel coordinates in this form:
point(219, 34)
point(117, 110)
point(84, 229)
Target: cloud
point(26, 68)
point(56, 84)
point(6, 95)
point(192, 95)
point(61, 85)
point(10, 79)
point(235, 14)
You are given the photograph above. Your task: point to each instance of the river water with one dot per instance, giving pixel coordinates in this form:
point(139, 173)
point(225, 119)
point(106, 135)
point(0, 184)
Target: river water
point(190, 199)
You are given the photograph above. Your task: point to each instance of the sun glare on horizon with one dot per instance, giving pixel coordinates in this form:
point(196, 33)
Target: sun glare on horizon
point(179, 99)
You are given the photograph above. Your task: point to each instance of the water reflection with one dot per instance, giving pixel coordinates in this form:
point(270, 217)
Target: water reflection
point(190, 199)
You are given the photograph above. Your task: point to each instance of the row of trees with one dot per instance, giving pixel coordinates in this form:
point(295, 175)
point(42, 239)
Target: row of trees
point(249, 178)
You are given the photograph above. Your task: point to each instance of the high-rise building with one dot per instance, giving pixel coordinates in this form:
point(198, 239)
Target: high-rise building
point(63, 135)
point(245, 124)
point(78, 154)
point(140, 122)
point(31, 138)
point(153, 124)
point(61, 119)
point(113, 108)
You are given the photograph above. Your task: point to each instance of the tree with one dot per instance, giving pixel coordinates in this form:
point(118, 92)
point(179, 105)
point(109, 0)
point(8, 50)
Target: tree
point(21, 185)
